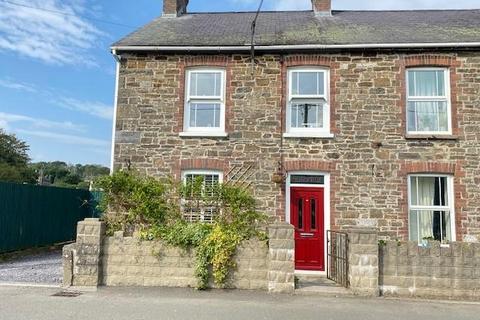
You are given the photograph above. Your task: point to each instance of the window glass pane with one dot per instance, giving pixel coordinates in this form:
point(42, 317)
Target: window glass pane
point(313, 213)
point(210, 181)
point(307, 115)
point(205, 84)
point(308, 83)
point(205, 115)
point(427, 116)
point(411, 83)
point(300, 213)
point(426, 83)
point(429, 224)
point(429, 191)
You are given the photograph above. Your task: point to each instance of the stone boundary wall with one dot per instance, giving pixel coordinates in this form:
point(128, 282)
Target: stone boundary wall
point(434, 271)
point(281, 273)
point(363, 261)
point(126, 261)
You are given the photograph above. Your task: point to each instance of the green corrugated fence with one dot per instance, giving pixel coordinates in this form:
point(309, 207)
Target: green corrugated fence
point(33, 216)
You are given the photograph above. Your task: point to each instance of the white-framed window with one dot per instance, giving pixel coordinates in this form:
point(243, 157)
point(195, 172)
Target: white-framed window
point(205, 101)
point(428, 101)
point(431, 209)
point(194, 210)
point(308, 110)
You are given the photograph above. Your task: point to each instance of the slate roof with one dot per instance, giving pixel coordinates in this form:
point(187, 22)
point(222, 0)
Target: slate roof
point(304, 27)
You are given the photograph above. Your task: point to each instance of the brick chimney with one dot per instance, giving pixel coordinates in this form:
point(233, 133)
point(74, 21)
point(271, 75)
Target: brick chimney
point(322, 7)
point(174, 8)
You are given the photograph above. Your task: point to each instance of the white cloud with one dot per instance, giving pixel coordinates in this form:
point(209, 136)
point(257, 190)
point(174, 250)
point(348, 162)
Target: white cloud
point(97, 109)
point(11, 84)
point(66, 138)
point(48, 36)
point(8, 118)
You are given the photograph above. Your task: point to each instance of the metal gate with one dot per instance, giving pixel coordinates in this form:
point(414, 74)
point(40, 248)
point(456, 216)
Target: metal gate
point(337, 257)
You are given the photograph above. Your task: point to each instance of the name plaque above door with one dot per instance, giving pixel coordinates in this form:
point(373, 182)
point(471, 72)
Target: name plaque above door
point(306, 179)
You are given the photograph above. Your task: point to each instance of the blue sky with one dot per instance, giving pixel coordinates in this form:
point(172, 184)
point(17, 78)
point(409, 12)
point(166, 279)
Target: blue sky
point(57, 75)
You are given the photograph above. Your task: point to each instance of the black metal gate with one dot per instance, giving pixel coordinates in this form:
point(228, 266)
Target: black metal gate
point(337, 257)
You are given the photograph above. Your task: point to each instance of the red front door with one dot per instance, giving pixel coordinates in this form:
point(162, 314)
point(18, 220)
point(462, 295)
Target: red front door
point(306, 214)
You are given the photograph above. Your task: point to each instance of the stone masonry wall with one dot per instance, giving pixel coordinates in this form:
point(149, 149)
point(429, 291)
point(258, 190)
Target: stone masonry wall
point(126, 261)
point(407, 269)
point(281, 274)
point(81, 260)
point(363, 261)
point(368, 159)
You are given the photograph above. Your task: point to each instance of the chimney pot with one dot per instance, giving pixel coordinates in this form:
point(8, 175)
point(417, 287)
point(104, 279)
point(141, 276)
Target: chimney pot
point(174, 8)
point(322, 7)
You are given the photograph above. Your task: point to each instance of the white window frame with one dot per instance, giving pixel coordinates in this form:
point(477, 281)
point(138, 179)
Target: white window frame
point(325, 99)
point(200, 172)
point(204, 131)
point(446, 98)
point(451, 201)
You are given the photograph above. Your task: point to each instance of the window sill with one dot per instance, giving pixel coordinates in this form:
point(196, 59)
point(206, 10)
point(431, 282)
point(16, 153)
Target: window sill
point(309, 135)
point(204, 134)
point(431, 137)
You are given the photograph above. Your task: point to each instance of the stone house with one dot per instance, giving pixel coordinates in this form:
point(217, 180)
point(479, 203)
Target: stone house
point(341, 119)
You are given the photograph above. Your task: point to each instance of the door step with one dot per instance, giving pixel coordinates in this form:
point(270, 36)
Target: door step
point(318, 284)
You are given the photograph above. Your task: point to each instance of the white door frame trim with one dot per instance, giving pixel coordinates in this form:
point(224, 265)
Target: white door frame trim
point(326, 200)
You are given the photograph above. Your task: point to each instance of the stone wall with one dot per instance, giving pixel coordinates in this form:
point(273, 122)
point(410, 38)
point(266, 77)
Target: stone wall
point(126, 261)
point(81, 260)
point(368, 159)
point(435, 271)
point(363, 261)
point(281, 277)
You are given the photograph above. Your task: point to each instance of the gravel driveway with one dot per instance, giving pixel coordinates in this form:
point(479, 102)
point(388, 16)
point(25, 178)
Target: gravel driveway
point(37, 268)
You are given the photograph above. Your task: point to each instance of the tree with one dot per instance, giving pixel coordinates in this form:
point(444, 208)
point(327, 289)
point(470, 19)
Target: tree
point(14, 160)
point(61, 174)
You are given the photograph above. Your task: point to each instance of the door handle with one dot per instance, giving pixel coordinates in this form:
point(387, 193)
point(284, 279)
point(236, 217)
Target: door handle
point(306, 234)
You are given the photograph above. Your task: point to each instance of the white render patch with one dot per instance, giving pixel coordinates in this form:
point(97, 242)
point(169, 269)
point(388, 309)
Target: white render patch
point(367, 222)
point(470, 238)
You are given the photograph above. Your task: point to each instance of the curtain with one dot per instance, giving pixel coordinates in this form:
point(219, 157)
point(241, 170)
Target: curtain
point(426, 83)
point(436, 224)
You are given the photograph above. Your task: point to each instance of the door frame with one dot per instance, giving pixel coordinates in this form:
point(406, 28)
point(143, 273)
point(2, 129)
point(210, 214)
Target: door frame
point(326, 202)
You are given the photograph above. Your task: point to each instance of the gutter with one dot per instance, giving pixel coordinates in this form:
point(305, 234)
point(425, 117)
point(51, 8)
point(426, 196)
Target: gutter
point(118, 58)
point(301, 47)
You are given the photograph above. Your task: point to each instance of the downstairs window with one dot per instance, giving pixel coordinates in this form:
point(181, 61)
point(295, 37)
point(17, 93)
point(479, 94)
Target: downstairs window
point(198, 203)
point(431, 214)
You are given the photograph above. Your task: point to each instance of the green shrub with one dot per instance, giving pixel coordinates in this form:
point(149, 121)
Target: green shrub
point(134, 202)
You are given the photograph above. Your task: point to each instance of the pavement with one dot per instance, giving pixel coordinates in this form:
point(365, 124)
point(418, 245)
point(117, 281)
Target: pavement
point(162, 303)
point(38, 268)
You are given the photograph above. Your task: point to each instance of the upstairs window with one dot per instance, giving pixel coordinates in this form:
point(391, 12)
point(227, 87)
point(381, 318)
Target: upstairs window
point(205, 101)
point(308, 105)
point(198, 203)
point(430, 208)
point(428, 101)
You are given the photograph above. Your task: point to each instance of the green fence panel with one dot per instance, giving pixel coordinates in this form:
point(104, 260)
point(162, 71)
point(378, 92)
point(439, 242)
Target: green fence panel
point(33, 216)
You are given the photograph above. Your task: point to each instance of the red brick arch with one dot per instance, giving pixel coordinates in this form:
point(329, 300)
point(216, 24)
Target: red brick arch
point(199, 164)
